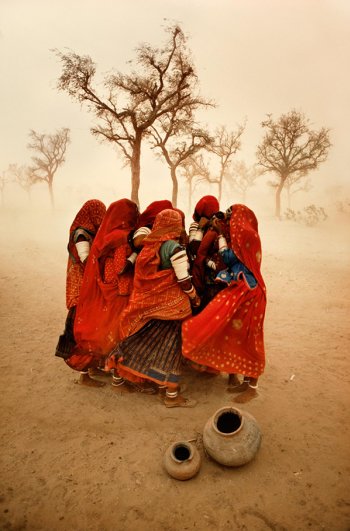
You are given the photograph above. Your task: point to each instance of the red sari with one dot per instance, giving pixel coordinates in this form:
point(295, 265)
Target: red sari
point(149, 215)
point(228, 334)
point(104, 293)
point(150, 326)
point(156, 293)
point(89, 219)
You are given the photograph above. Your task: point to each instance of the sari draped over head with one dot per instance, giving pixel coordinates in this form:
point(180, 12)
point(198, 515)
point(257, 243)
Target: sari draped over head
point(104, 292)
point(206, 207)
point(156, 293)
point(228, 334)
point(88, 219)
point(148, 216)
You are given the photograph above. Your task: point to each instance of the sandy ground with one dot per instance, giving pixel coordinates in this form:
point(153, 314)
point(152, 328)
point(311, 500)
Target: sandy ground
point(87, 459)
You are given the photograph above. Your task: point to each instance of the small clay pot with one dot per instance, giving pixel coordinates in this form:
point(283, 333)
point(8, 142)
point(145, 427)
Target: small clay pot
point(231, 436)
point(182, 460)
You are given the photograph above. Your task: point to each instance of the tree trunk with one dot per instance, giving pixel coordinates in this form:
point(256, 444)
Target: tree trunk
point(219, 189)
point(278, 198)
point(135, 169)
point(190, 195)
point(50, 183)
point(175, 186)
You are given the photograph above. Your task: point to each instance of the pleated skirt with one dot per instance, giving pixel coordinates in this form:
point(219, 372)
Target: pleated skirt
point(153, 353)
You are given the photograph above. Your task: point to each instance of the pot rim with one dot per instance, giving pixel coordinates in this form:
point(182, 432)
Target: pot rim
point(178, 444)
point(227, 409)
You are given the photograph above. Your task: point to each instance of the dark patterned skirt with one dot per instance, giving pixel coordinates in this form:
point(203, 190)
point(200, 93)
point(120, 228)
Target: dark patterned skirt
point(66, 341)
point(154, 353)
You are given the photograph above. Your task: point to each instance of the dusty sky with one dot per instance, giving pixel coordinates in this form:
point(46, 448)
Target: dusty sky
point(253, 57)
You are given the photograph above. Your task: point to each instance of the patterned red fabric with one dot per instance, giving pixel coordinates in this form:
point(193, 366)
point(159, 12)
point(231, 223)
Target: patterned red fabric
point(104, 293)
point(156, 293)
point(88, 218)
point(206, 207)
point(148, 216)
point(208, 248)
point(228, 334)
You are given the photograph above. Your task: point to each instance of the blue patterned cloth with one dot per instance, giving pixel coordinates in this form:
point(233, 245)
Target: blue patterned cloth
point(235, 269)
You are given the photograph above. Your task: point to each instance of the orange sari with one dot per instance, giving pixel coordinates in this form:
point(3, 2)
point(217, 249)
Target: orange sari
point(89, 219)
point(150, 325)
point(156, 293)
point(104, 293)
point(228, 334)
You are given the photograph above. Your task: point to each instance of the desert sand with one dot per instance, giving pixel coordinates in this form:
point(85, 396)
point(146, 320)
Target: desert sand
point(78, 458)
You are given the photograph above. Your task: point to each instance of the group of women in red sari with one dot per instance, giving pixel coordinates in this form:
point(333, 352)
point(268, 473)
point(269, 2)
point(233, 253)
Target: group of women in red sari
point(143, 298)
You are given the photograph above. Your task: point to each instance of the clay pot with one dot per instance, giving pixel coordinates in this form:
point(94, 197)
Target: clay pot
point(231, 436)
point(182, 460)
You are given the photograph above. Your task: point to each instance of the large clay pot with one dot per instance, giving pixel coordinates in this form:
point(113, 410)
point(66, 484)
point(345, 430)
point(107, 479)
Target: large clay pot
point(231, 436)
point(182, 460)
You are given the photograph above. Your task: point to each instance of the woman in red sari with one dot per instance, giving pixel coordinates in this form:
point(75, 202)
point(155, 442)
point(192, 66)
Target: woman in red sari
point(228, 334)
point(104, 292)
point(81, 235)
point(150, 327)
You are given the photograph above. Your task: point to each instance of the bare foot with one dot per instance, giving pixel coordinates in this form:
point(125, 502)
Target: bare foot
point(179, 401)
point(123, 388)
point(242, 387)
point(245, 397)
point(100, 375)
point(233, 380)
point(85, 379)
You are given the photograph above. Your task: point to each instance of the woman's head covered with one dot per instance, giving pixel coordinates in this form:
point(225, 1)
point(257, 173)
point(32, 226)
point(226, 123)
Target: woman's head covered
point(167, 226)
point(148, 216)
point(206, 207)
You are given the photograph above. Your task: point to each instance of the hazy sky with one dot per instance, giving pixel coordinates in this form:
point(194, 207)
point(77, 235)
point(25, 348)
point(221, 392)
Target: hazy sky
point(253, 57)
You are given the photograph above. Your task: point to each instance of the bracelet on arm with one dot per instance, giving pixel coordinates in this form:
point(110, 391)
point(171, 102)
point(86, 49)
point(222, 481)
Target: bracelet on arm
point(222, 243)
point(180, 264)
point(83, 249)
point(191, 293)
point(132, 257)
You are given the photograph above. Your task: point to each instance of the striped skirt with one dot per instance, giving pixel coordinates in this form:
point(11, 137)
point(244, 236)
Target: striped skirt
point(153, 353)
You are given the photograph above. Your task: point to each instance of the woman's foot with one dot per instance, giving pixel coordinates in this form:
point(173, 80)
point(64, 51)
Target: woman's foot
point(145, 387)
point(248, 395)
point(85, 379)
point(240, 388)
point(122, 388)
point(179, 401)
point(99, 374)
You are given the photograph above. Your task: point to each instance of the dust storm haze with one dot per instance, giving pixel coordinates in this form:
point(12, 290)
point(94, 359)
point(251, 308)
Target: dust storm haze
point(81, 459)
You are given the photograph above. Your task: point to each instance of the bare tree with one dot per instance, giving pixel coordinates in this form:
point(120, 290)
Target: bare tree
point(242, 177)
point(134, 102)
point(50, 152)
point(178, 140)
point(4, 180)
point(194, 170)
point(22, 176)
point(224, 146)
point(290, 147)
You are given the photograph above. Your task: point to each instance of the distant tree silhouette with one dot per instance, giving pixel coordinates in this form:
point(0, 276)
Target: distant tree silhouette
point(290, 148)
point(225, 144)
point(163, 84)
point(50, 155)
point(4, 180)
point(296, 183)
point(242, 177)
point(178, 140)
point(22, 176)
point(194, 170)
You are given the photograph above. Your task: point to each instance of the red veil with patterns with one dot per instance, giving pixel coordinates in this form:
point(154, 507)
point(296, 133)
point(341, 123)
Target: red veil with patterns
point(228, 334)
point(104, 294)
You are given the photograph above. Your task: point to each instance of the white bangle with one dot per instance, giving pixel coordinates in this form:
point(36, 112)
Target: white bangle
point(222, 243)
